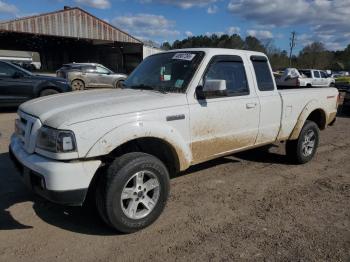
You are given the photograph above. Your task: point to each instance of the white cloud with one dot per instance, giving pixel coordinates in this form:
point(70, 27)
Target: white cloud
point(8, 8)
point(212, 9)
point(188, 33)
point(146, 25)
point(182, 3)
point(260, 34)
point(233, 30)
point(100, 4)
point(323, 17)
point(214, 33)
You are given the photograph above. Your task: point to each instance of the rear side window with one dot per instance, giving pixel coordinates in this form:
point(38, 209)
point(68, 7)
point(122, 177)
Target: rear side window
point(262, 73)
point(89, 69)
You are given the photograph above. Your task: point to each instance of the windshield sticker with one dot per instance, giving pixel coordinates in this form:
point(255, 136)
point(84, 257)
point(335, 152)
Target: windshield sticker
point(167, 77)
point(179, 83)
point(184, 56)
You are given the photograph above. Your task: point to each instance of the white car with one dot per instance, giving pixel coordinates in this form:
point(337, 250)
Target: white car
point(177, 109)
point(293, 77)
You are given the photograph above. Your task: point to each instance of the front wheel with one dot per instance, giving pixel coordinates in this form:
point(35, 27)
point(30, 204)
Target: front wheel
point(48, 92)
point(304, 148)
point(133, 193)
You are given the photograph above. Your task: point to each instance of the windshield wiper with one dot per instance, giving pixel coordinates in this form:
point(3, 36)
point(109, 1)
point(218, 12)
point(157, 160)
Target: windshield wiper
point(147, 87)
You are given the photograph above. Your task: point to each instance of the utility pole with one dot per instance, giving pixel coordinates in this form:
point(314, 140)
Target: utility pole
point(292, 44)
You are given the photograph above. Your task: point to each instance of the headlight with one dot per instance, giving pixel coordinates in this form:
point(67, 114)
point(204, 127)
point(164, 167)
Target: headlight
point(62, 82)
point(55, 140)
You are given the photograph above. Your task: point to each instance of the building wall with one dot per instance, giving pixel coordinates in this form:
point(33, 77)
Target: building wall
point(148, 50)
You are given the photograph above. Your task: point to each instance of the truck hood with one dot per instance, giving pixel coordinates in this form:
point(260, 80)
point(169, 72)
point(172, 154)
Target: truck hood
point(69, 108)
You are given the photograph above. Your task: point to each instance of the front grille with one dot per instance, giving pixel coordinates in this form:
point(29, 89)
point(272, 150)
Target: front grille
point(27, 128)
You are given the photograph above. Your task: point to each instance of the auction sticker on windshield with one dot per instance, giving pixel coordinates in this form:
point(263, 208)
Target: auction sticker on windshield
point(184, 56)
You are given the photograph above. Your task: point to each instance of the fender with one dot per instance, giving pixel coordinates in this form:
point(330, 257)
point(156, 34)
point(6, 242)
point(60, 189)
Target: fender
point(130, 131)
point(307, 110)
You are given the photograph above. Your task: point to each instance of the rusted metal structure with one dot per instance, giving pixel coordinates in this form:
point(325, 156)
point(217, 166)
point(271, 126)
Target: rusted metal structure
point(72, 35)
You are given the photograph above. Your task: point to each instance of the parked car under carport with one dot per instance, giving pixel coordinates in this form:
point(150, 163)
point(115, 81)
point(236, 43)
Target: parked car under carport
point(90, 75)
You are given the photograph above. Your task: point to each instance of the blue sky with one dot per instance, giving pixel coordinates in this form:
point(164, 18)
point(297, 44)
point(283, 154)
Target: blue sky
point(168, 20)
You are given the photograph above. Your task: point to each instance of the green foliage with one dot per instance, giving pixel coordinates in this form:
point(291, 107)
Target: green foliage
point(343, 79)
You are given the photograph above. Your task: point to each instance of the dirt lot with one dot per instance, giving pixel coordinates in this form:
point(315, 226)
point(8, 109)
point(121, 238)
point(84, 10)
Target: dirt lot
point(251, 206)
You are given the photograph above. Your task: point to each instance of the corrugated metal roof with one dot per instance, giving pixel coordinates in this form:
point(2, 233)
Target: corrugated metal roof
point(73, 22)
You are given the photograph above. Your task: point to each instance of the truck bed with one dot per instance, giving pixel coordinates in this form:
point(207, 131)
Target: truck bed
point(295, 100)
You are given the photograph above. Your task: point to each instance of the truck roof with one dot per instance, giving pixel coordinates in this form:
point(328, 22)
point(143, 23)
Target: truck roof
point(221, 51)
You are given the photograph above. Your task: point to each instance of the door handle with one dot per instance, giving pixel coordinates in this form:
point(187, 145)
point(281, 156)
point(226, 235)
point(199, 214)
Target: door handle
point(251, 105)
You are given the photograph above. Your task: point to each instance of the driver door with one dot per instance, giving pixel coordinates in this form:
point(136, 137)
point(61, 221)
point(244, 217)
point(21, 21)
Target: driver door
point(15, 87)
point(225, 122)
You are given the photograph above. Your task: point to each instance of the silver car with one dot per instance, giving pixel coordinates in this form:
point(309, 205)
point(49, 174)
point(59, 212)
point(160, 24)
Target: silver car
point(90, 75)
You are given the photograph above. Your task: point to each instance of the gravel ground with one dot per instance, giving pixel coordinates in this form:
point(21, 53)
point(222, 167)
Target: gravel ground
point(251, 206)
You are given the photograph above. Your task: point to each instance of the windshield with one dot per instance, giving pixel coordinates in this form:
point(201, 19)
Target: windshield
point(165, 72)
point(22, 69)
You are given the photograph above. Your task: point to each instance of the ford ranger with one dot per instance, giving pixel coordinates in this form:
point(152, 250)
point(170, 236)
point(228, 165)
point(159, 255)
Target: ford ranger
point(177, 109)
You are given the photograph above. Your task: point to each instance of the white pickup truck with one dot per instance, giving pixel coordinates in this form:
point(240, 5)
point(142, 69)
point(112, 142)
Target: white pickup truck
point(293, 77)
point(177, 109)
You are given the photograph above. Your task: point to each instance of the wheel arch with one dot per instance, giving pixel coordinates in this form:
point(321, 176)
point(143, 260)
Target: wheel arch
point(156, 139)
point(46, 87)
point(118, 80)
point(313, 112)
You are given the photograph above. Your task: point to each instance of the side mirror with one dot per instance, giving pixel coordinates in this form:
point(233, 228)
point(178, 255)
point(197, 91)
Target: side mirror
point(211, 88)
point(214, 85)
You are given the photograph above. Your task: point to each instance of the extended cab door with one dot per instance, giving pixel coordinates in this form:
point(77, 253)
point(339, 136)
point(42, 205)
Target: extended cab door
point(224, 122)
point(269, 98)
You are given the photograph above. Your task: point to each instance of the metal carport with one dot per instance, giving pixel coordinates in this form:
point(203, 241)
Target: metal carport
point(72, 35)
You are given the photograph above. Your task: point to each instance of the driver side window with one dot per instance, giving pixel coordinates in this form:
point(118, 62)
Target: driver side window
point(230, 69)
point(6, 70)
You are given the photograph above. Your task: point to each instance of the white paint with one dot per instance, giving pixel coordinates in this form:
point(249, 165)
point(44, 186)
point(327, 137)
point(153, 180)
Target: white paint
point(104, 119)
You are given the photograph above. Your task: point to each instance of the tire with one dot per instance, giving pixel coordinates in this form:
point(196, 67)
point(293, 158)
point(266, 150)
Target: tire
point(331, 85)
point(48, 92)
point(119, 84)
point(303, 149)
point(122, 192)
point(78, 85)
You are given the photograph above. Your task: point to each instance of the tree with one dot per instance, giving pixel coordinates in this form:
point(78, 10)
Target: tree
point(165, 46)
point(315, 55)
point(253, 44)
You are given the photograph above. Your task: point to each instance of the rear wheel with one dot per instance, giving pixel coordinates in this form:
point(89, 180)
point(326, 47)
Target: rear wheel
point(78, 85)
point(133, 193)
point(304, 148)
point(48, 92)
